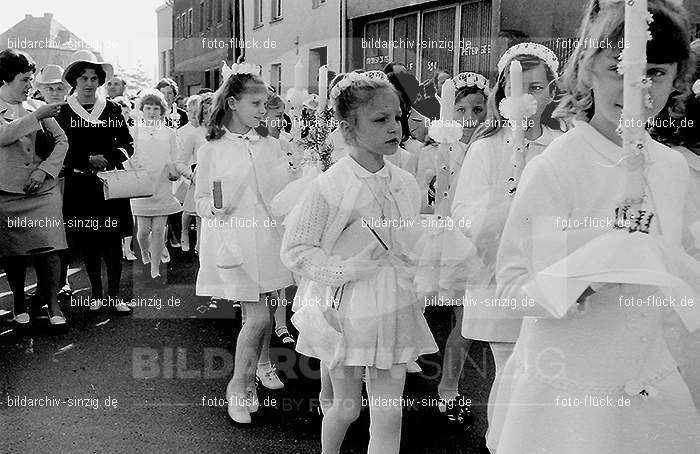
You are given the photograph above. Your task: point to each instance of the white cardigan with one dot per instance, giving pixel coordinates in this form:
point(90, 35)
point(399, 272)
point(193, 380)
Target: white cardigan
point(314, 227)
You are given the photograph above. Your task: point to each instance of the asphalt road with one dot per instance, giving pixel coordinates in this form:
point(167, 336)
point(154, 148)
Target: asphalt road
point(154, 382)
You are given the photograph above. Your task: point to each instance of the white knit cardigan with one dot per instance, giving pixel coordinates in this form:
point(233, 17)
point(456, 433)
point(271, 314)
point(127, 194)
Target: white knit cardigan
point(315, 225)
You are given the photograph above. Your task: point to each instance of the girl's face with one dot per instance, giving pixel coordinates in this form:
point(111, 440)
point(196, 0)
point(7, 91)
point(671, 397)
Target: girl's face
point(206, 110)
point(470, 111)
point(417, 125)
point(53, 93)
point(168, 93)
point(275, 118)
point(607, 86)
point(250, 108)
point(86, 85)
point(535, 82)
point(377, 127)
point(151, 111)
point(192, 109)
point(19, 88)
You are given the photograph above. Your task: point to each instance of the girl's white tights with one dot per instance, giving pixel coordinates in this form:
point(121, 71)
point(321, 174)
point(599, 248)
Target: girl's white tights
point(384, 387)
point(151, 238)
point(251, 339)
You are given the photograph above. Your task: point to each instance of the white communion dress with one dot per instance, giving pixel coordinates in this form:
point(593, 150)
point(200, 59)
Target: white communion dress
point(601, 379)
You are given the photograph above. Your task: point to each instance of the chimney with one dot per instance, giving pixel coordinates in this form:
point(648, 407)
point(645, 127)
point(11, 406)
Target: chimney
point(28, 16)
point(48, 16)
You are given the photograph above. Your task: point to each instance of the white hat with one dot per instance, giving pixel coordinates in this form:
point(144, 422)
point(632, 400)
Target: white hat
point(49, 74)
point(85, 56)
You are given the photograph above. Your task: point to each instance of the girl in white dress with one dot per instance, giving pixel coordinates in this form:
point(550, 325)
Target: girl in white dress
point(382, 323)
point(482, 199)
point(239, 254)
point(190, 138)
point(155, 150)
point(470, 111)
point(600, 379)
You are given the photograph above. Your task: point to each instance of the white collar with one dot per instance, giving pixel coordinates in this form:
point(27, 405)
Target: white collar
point(251, 135)
point(93, 117)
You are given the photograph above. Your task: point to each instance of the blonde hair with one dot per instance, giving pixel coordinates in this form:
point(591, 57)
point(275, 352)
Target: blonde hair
point(670, 44)
point(356, 95)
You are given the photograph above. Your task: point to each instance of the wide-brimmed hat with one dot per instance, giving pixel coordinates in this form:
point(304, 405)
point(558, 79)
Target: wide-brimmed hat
point(49, 74)
point(84, 57)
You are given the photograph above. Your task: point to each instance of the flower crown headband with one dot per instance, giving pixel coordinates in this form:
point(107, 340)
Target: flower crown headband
point(470, 79)
point(350, 78)
point(538, 50)
point(239, 68)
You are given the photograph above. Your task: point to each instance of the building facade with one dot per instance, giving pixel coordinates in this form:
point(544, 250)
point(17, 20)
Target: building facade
point(46, 40)
point(456, 36)
point(203, 36)
point(279, 33)
point(166, 60)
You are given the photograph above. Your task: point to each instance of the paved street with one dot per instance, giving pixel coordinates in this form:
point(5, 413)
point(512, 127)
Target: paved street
point(151, 382)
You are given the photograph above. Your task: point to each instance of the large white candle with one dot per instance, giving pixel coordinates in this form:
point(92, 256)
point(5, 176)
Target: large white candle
point(447, 101)
point(322, 87)
point(634, 64)
point(299, 76)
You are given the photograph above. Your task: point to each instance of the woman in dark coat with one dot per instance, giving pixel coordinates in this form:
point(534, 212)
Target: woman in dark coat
point(98, 140)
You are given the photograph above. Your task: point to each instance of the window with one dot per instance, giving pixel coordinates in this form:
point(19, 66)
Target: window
point(201, 16)
point(217, 78)
point(257, 13)
point(376, 56)
point(438, 27)
point(276, 9)
point(190, 22)
point(697, 30)
point(475, 51)
point(207, 78)
point(183, 27)
point(406, 32)
point(276, 77)
point(178, 28)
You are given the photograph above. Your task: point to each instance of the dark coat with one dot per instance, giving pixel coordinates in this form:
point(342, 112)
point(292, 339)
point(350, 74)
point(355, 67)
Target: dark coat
point(87, 214)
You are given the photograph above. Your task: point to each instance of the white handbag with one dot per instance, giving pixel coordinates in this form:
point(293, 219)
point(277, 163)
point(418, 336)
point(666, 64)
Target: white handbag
point(126, 184)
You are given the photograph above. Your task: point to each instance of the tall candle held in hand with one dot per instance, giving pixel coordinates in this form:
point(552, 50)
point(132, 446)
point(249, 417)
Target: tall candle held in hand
point(447, 101)
point(635, 60)
point(322, 87)
point(299, 76)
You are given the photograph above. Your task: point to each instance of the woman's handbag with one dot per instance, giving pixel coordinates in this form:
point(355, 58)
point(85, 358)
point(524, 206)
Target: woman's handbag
point(44, 142)
point(126, 184)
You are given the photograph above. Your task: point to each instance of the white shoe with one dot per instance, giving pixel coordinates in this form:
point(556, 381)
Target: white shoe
point(22, 318)
point(145, 257)
point(165, 257)
point(122, 307)
point(237, 408)
point(268, 376)
point(96, 304)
